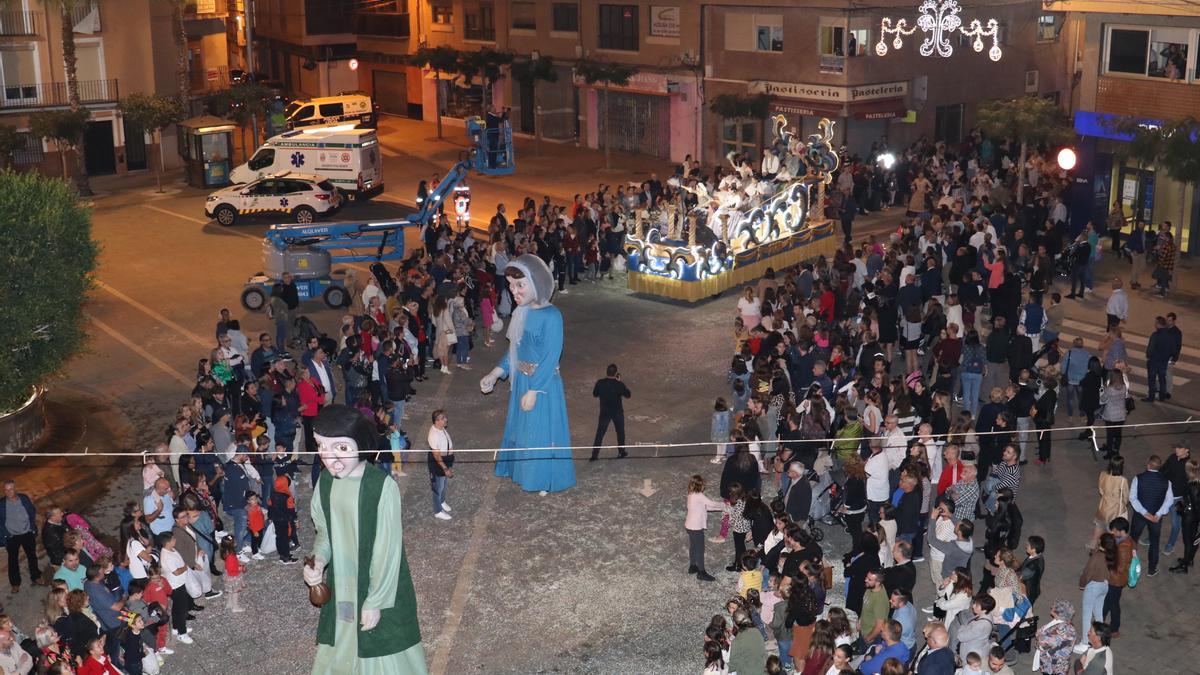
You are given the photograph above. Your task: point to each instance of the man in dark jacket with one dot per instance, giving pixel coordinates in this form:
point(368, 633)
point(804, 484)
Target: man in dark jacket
point(52, 536)
point(938, 659)
point(798, 500)
point(996, 350)
point(1159, 350)
point(610, 391)
point(18, 530)
point(233, 498)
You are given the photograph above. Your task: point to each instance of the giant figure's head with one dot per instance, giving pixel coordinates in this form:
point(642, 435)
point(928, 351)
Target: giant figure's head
point(530, 280)
point(343, 434)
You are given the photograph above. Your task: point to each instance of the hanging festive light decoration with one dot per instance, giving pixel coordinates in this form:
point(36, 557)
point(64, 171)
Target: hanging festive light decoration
point(939, 21)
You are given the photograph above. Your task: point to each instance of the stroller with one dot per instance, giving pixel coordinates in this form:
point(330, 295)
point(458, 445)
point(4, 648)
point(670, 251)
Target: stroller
point(1064, 261)
point(1018, 639)
point(835, 503)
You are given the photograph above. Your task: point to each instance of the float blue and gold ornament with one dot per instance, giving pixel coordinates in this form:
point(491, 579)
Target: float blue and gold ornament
point(724, 240)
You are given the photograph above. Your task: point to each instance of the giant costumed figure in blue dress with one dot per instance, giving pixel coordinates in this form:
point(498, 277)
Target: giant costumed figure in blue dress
point(537, 406)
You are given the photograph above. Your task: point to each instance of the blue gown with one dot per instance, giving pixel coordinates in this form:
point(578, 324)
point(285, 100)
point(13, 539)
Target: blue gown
point(546, 425)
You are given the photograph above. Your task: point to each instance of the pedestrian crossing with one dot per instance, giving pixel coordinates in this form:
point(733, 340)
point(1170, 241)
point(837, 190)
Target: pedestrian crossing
point(1135, 347)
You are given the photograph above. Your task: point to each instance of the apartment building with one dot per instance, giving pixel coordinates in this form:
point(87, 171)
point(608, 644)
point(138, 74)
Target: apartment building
point(113, 57)
point(1137, 63)
point(308, 45)
point(658, 112)
point(818, 58)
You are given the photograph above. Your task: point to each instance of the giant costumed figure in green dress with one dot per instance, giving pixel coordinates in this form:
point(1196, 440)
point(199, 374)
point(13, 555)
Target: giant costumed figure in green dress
point(369, 625)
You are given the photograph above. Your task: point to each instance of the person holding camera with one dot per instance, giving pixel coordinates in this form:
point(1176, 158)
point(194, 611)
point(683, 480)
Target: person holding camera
point(610, 390)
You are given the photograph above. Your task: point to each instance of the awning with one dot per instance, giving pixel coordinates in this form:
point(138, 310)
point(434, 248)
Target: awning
point(198, 28)
point(806, 108)
point(879, 110)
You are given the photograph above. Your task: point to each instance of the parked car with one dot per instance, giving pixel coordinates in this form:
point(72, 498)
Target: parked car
point(302, 196)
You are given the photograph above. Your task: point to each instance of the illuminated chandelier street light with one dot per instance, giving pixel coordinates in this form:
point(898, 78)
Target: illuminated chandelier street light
point(939, 21)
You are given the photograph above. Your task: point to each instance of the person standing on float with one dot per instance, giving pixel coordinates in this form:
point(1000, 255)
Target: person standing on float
point(537, 405)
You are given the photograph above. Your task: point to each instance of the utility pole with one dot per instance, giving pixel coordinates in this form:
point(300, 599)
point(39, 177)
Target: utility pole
point(250, 65)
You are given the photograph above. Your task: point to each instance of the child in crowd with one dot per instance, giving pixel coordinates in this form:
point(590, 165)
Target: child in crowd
point(973, 666)
point(487, 307)
point(750, 577)
point(282, 513)
point(720, 429)
point(138, 659)
point(740, 335)
point(714, 658)
point(256, 521)
point(591, 257)
point(175, 572)
point(233, 574)
point(158, 592)
point(696, 522)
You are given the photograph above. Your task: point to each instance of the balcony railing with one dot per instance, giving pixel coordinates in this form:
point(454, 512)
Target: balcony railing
point(481, 33)
point(382, 25)
point(20, 23)
point(210, 79)
point(53, 94)
point(81, 12)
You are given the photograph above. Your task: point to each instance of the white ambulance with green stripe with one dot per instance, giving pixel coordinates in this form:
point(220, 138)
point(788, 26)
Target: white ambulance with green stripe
point(350, 158)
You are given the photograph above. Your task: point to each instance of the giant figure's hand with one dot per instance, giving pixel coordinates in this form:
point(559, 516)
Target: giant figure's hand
point(370, 619)
point(315, 574)
point(528, 400)
point(488, 383)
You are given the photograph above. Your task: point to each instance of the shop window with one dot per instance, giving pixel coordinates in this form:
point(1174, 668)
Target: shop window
point(740, 136)
point(948, 123)
point(831, 44)
point(480, 20)
point(566, 17)
point(461, 102)
point(768, 38)
point(619, 27)
point(524, 15)
point(1048, 27)
point(443, 12)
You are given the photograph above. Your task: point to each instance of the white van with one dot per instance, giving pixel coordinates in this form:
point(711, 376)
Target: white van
point(340, 109)
point(349, 158)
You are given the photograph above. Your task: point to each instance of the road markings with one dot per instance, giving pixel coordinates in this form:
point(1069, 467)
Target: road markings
point(647, 489)
point(210, 344)
point(201, 221)
point(137, 349)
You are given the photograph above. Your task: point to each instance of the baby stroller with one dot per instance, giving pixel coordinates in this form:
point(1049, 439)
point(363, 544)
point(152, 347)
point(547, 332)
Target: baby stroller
point(1018, 639)
point(835, 503)
point(1064, 261)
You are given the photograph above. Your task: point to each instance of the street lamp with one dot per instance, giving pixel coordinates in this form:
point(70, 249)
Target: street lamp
point(1067, 159)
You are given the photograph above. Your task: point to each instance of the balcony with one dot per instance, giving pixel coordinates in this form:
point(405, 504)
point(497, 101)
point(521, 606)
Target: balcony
point(18, 24)
point(480, 33)
point(80, 15)
point(209, 79)
point(54, 94)
point(382, 25)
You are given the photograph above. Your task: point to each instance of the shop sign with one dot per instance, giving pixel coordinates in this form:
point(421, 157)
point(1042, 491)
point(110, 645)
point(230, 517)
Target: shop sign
point(649, 83)
point(664, 21)
point(206, 6)
point(824, 92)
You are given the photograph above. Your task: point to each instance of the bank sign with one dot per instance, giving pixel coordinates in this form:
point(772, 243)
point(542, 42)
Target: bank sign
point(664, 21)
point(833, 93)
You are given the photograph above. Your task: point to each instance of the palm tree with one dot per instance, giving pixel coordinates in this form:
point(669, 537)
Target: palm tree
point(183, 81)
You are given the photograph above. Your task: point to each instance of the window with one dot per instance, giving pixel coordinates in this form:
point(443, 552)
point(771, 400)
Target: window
point(331, 109)
point(948, 123)
point(856, 44)
point(303, 114)
point(768, 38)
point(481, 21)
point(461, 102)
point(18, 74)
point(524, 15)
point(28, 151)
point(566, 17)
point(443, 12)
point(262, 159)
point(619, 27)
point(739, 136)
point(1048, 27)
point(832, 45)
point(1159, 52)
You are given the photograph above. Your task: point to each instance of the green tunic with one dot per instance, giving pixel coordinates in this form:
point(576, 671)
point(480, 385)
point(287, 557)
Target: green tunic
point(365, 572)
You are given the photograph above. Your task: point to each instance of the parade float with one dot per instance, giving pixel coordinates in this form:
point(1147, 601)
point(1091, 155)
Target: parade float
point(700, 243)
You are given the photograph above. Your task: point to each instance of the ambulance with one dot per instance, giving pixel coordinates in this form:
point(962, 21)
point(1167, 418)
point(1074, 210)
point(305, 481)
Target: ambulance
point(350, 158)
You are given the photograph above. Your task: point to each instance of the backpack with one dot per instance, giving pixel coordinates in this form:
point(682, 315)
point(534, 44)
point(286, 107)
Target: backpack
point(1135, 570)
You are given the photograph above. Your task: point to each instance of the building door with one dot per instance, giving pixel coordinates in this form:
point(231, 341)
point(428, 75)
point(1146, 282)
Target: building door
point(100, 157)
point(528, 107)
point(391, 91)
point(1137, 193)
point(135, 148)
point(638, 123)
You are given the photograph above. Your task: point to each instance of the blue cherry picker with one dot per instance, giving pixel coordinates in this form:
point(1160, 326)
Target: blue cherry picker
point(308, 252)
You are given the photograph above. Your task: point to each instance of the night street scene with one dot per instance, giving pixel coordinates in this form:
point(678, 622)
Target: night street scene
point(642, 337)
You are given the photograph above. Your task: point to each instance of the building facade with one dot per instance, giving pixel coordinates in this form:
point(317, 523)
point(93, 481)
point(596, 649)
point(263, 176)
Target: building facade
point(306, 45)
point(819, 59)
point(1140, 63)
point(113, 58)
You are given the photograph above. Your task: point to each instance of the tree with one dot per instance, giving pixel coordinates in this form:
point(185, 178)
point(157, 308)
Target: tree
point(64, 127)
point(529, 73)
point(10, 142)
point(1030, 120)
point(183, 80)
point(1172, 146)
point(47, 257)
point(66, 10)
point(605, 74)
point(152, 113)
point(443, 61)
point(487, 64)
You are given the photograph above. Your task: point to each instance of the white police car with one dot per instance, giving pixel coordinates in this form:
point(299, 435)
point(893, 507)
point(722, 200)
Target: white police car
point(303, 196)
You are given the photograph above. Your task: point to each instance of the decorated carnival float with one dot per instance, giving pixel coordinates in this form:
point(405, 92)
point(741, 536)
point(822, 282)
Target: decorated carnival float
point(696, 247)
